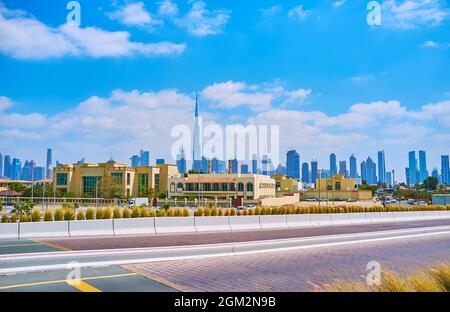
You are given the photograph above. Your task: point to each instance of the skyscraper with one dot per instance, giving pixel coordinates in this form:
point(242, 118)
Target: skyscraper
point(314, 171)
point(305, 173)
point(293, 164)
point(369, 171)
point(389, 179)
point(38, 173)
point(215, 165)
point(234, 166)
point(333, 165)
point(49, 166)
point(135, 161)
point(423, 172)
point(16, 167)
point(181, 162)
point(160, 161)
point(353, 170)
point(266, 165)
point(27, 172)
point(244, 169)
point(254, 165)
point(343, 168)
point(145, 158)
point(412, 169)
point(435, 173)
point(7, 166)
point(196, 144)
point(381, 167)
point(1, 165)
point(445, 171)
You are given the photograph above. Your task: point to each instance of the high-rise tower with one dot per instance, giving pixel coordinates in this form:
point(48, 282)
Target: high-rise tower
point(197, 144)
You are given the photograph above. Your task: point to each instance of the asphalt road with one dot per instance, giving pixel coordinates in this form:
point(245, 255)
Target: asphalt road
point(95, 243)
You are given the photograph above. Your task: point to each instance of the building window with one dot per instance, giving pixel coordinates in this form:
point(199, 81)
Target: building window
point(172, 187)
point(329, 187)
point(180, 186)
point(224, 187)
point(206, 187)
point(90, 185)
point(61, 179)
point(337, 186)
point(232, 187)
point(128, 178)
point(216, 187)
point(190, 187)
point(240, 187)
point(249, 187)
point(157, 182)
point(143, 183)
point(118, 176)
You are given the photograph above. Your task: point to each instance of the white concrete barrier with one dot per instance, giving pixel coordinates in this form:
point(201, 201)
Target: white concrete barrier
point(9, 230)
point(321, 219)
point(174, 225)
point(359, 218)
point(91, 228)
point(273, 221)
point(212, 224)
point(340, 219)
point(301, 220)
point(244, 223)
point(44, 229)
point(134, 226)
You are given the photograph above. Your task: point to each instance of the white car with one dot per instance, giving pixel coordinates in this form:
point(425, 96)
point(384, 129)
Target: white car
point(251, 206)
point(310, 199)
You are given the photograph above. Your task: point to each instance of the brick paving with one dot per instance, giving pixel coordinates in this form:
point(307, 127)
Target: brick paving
point(92, 243)
point(296, 270)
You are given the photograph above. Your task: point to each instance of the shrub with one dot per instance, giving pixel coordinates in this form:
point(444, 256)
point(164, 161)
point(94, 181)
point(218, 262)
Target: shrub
point(220, 213)
point(199, 212)
point(99, 214)
point(25, 218)
point(59, 214)
point(227, 213)
point(152, 213)
point(144, 212)
point(178, 212)
point(117, 214)
point(245, 212)
point(90, 214)
point(4, 218)
point(207, 212)
point(162, 213)
point(69, 214)
point(135, 212)
point(48, 215)
point(107, 213)
point(170, 212)
point(81, 215)
point(13, 218)
point(36, 215)
point(185, 212)
point(257, 211)
point(127, 213)
point(251, 212)
point(232, 212)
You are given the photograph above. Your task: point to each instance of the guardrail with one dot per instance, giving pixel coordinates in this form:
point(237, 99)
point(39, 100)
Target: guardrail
point(164, 225)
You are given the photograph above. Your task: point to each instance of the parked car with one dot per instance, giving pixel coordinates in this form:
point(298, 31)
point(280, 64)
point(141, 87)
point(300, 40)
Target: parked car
point(351, 200)
point(310, 199)
point(421, 203)
point(241, 207)
point(251, 206)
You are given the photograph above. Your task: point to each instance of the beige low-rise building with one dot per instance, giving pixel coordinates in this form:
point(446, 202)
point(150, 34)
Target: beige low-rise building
point(285, 185)
point(222, 186)
point(86, 179)
point(337, 187)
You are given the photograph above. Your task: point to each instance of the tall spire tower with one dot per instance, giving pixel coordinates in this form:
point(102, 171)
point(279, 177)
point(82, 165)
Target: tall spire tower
point(197, 145)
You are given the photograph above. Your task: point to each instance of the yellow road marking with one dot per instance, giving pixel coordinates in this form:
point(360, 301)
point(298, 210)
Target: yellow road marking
point(82, 286)
point(53, 245)
point(19, 245)
point(65, 281)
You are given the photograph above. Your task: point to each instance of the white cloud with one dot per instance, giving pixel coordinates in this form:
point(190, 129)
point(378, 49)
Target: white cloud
point(339, 3)
point(362, 78)
point(5, 103)
point(430, 44)
point(262, 97)
point(201, 22)
point(134, 14)
point(24, 37)
point(167, 8)
point(298, 12)
point(273, 10)
point(410, 14)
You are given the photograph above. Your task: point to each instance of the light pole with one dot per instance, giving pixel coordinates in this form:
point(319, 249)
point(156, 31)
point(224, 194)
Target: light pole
point(320, 174)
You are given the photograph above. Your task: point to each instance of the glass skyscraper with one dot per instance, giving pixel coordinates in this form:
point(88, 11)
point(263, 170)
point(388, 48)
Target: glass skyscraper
point(445, 171)
point(314, 170)
point(423, 173)
point(381, 167)
point(412, 169)
point(353, 170)
point(333, 165)
point(305, 173)
point(293, 164)
point(49, 167)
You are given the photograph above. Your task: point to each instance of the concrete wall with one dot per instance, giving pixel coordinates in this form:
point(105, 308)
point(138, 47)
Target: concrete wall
point(279, 201)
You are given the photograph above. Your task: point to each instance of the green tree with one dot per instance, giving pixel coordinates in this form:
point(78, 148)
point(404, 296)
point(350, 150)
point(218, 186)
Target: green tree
point(430, 183)
point(110, 187)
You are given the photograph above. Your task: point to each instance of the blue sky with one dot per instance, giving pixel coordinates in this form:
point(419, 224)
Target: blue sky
point(123, 78)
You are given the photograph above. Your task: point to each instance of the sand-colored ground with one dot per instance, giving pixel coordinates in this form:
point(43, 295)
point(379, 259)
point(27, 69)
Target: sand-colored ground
point(339, 203)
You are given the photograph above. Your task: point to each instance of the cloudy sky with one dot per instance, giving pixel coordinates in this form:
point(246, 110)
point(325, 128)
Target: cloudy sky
point(129, 73)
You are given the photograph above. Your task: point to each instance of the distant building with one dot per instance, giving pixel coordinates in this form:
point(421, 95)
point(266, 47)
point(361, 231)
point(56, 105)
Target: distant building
point(181, 162)
point(244, 169)
point(160, 161)
point(314, 170)
point(381, 167)
point(333, 165)
point(234, 166)
point(445, 170)
point(293, 164)
point(135, 161)
point(16, 168)
point(423, 172)
point(7, 167)
point(144, 158)
point(27, 171)
point(285, 185)
point(388, 182)
point(39, 173)
point(49, 164)
point(435, 173)
point(412, 169)
point(254, 165)
point(1, 165)
point(343, 168)
point(369, 171)
point(266, 165)
point(305, 173)
point(353, 170)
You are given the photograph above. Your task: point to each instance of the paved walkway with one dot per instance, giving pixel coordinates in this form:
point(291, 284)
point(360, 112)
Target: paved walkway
point(296, 270)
